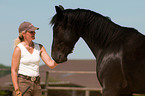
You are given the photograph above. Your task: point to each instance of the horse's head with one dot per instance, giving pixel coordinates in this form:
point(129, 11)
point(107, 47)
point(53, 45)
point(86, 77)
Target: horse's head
point(64, 38)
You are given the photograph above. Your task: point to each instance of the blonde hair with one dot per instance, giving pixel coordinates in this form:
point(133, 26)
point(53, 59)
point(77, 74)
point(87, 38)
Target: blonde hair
point(18, 40)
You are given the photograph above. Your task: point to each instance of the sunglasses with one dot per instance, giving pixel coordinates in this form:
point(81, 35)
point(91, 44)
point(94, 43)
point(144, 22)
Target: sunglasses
point(31, 32)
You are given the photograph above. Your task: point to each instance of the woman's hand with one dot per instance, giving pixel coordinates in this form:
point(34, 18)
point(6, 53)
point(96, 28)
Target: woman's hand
point(54, 64)
point(18, 92)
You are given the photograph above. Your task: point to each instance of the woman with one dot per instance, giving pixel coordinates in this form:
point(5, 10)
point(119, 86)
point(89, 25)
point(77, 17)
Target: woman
point(25, 62)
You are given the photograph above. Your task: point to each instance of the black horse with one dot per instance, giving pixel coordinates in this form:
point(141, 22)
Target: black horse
point(119, 51)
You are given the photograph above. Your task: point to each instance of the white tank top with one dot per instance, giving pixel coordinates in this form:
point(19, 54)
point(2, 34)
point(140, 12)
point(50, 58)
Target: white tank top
point(29, 63)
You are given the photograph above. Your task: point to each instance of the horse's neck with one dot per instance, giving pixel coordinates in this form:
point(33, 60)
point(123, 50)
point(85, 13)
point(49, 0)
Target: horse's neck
point(93, 47)
point(97, 41)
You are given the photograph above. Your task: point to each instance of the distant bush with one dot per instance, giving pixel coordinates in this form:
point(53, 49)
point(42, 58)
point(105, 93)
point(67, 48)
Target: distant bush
point(5, 93)
point(4, 72)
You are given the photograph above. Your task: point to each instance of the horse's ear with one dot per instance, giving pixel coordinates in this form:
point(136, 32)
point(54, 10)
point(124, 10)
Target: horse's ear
point(61, 7)
point(58, 10)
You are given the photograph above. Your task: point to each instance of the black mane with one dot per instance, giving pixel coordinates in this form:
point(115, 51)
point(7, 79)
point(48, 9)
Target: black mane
point(75, 13)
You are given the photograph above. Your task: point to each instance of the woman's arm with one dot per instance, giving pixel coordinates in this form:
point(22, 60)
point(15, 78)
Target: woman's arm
point(14, 66)
point(46, 58)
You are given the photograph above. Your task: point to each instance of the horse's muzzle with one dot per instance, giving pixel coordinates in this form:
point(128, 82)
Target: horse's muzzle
point(58, 57)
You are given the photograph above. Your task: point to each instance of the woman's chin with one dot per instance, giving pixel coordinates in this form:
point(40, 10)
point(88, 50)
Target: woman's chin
point(33, 38)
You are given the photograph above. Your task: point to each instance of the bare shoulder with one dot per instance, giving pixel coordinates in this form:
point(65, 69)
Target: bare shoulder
point(17, 49)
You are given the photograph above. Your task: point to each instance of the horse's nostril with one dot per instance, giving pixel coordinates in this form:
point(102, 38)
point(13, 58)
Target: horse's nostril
point(61, 58)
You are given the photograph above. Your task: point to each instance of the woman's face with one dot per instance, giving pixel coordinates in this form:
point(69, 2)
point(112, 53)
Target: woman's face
point(29, 35)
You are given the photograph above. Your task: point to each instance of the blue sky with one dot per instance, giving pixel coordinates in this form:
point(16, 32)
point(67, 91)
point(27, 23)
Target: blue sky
point(129, 13)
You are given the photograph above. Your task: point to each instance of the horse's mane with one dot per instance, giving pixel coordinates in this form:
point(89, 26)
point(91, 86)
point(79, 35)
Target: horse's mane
point(102, 28)
point(78, 12)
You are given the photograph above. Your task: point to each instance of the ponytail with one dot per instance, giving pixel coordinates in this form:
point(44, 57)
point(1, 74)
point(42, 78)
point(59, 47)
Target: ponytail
point(18, 40)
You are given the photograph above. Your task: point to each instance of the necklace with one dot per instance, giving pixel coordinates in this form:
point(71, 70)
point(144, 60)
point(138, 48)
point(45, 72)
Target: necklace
point(29, 47)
